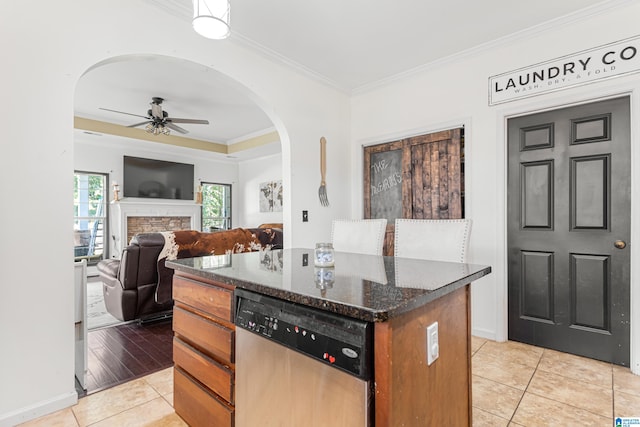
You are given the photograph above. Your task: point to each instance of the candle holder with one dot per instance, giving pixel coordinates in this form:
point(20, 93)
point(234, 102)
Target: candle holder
point(199, 195)
point(116, 192)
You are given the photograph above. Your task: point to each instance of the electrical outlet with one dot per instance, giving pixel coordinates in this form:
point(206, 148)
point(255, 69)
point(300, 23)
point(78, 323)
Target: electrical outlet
point(305, 216)
point(433, 348)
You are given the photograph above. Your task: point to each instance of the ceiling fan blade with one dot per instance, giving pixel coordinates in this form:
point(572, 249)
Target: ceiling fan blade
point(194, 121)
point(122, 112)
point(176, 128)
point(140, 124)
point(156, 110)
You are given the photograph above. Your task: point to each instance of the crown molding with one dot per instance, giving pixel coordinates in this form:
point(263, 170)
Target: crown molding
point(183, 9)
point(276, 57)
point(248, 142)
point(552, 24)
point(252, 135)
point(255, 142)
point(179, 8)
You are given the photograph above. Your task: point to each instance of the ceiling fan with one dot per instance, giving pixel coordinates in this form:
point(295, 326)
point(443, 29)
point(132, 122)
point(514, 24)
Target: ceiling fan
point(158, 121)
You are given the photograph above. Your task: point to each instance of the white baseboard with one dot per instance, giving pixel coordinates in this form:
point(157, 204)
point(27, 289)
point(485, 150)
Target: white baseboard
point(483, 333)
point(38, 410)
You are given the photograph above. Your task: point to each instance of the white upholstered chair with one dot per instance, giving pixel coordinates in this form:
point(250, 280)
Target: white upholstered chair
point(362, 236)
point(440, 240)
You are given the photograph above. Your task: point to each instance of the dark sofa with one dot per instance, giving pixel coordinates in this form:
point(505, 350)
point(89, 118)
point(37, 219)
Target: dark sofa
point(138, 285)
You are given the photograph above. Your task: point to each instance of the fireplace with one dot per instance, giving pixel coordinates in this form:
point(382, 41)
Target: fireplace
point(149, 224)
point(130, 216)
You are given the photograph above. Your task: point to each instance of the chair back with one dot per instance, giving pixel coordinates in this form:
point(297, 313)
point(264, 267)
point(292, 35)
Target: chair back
point(362, 236)
point(438, 239)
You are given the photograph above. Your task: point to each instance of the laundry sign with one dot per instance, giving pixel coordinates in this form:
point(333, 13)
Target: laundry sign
point(603, 62)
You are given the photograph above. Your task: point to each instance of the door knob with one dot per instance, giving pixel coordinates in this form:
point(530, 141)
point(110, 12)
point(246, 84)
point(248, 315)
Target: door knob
point(620, 244)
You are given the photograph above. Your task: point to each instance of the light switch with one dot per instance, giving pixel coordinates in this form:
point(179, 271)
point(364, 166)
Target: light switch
point(433, 349)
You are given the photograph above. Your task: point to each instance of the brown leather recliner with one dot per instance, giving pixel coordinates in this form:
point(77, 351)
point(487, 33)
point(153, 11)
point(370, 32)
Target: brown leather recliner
point(129, 284)
point(139, 285)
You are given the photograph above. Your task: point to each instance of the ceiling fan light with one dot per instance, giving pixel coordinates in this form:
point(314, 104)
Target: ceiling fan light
point(211, 18)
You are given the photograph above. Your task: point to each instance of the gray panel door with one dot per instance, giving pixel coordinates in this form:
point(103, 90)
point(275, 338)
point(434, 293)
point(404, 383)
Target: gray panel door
point(568, 230)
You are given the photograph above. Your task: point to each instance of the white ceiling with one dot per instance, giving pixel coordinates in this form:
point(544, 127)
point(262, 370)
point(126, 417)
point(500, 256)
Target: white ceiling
point(351, 45)
point(190, 91)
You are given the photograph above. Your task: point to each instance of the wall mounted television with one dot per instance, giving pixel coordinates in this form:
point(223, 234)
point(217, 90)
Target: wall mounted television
point(157, 179)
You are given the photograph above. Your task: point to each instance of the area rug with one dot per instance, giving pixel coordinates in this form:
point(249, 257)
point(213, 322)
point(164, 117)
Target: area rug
point(97, 315)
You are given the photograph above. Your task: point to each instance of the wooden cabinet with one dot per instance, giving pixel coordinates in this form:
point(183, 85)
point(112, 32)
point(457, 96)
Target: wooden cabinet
point(203, 351)
point(197, 405)
point(420, 177)
point(406, 388)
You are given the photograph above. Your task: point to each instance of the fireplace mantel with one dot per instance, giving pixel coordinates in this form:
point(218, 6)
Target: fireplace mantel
point(134, 207)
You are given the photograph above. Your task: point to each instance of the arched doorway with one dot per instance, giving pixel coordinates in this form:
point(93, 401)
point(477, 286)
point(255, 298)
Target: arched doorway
point(113, 97)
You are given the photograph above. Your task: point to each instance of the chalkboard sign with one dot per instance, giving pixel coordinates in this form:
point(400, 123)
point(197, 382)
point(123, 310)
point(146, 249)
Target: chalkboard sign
point(386, 185)
point(418, 177)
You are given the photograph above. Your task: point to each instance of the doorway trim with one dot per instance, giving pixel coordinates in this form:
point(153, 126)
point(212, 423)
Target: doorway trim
point(584, 95)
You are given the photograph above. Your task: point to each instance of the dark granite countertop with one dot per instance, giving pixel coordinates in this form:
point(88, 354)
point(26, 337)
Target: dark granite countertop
point(366, 287)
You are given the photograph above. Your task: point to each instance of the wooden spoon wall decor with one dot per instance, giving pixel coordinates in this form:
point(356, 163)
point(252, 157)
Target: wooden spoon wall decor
point(322, 191)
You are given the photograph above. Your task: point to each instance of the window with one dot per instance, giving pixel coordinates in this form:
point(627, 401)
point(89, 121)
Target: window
point(90, 216)
point(216, 206)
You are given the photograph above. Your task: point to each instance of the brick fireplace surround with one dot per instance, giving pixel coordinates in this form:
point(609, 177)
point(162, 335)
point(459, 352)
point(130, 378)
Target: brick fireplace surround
point(130, 216)
point(149, 224)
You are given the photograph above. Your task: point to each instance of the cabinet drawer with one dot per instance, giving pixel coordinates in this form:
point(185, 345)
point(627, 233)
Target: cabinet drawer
point(211, 337)
point(219, 378)
point(197, 406)
point(208, 298)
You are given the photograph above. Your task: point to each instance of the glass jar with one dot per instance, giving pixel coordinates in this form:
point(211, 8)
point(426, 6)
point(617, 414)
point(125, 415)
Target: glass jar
point(324, 277)
point(323, 255)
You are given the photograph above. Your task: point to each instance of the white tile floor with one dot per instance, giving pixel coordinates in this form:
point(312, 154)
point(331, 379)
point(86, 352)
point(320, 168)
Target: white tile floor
point(514, 384)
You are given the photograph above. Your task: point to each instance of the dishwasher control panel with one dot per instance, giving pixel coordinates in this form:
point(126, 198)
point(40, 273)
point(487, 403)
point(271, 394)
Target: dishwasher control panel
point(338, 341)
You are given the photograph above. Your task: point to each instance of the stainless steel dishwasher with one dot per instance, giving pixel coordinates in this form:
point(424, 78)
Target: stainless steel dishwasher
point(299, 366)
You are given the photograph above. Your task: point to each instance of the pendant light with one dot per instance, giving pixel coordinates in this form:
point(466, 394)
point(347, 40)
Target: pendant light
point(211, 18)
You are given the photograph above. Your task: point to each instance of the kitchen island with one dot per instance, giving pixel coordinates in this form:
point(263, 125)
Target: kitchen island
point(399, 297)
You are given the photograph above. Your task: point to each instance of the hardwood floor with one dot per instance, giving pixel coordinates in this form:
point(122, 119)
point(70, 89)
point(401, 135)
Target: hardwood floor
point(123, 352)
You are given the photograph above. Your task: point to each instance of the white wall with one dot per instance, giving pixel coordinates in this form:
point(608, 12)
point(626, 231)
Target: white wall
point(36, 308)
point(251, 174)
point(47, 58)
point(455, 92)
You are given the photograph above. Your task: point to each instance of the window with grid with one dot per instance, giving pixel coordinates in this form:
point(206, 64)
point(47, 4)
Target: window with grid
point(90, 216)
point(216, 206)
